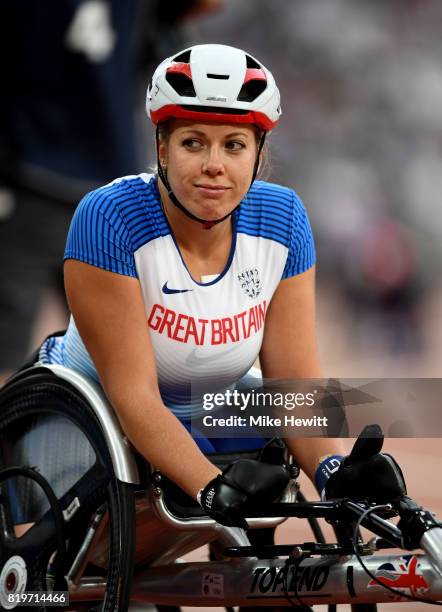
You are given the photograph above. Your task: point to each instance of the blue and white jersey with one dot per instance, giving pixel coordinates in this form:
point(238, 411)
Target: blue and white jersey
point(206, 333)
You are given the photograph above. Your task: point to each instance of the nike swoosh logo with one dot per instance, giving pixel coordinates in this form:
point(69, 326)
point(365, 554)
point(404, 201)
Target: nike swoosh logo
point(169, 291)
point(194, 360)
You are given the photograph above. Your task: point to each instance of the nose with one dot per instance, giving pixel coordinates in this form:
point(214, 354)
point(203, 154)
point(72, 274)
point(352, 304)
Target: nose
point(213, 162)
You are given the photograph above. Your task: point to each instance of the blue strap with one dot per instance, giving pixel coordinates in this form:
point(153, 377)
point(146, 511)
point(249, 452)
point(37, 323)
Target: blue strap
point(325, 469)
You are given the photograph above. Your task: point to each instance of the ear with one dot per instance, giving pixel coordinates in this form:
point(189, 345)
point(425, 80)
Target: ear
point(162, 153)
point(263, 159)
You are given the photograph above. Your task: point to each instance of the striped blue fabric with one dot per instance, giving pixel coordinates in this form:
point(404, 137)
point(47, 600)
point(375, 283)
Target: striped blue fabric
point(51, 350)
point(277, 213)
point(68, 350)
point(113, 222)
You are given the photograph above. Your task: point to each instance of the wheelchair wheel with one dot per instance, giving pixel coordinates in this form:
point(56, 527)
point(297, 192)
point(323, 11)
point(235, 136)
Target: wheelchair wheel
point(45, 423)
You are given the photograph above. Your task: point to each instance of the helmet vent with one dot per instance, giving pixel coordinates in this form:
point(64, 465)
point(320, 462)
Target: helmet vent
point(224, 77)
point(251, 63)
point(181, 84)
point(183, 57)
point(214, 109)
point(251, 90)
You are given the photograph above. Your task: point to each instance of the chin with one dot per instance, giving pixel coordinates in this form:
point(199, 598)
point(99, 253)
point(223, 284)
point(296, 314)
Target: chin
point(211, 213)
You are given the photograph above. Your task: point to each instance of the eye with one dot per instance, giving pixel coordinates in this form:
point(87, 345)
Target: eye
point(235, 145)
point(191, 143)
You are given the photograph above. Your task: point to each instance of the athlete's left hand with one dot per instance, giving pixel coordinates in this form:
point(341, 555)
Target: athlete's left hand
point(367, 473)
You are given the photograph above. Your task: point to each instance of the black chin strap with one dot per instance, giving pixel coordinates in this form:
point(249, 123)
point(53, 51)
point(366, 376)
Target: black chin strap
point(206, 224)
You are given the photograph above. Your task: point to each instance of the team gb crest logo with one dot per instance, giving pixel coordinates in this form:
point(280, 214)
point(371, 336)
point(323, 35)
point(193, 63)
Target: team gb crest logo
point(250, 282)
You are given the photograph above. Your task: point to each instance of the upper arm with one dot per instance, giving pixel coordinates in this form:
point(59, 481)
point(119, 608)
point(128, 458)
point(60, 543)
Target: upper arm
point(289, 348)
point(105, 296)
point(109, 312)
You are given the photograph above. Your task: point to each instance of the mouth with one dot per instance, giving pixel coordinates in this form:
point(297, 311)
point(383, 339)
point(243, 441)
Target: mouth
point(211, 191)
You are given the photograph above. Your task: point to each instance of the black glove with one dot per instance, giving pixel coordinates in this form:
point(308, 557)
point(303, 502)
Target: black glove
point(244, 483)
point(367, 473)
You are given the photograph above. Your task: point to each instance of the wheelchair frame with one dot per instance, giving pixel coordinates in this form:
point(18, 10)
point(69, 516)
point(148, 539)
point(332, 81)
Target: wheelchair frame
point(319, 577)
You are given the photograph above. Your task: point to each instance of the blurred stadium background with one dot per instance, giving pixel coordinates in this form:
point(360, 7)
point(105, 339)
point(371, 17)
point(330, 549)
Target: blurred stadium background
point(361, 141)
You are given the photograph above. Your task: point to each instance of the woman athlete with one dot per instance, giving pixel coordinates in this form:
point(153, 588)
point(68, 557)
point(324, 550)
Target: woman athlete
point(183, 279)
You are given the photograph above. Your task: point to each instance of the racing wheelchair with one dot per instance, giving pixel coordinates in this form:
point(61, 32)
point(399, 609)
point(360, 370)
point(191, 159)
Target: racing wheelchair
point(110, 530)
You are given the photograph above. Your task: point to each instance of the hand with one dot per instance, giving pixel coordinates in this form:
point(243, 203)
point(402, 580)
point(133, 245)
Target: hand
point(243, 483)
point(367, 473)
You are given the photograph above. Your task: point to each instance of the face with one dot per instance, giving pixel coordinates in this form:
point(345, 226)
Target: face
point(209, 165)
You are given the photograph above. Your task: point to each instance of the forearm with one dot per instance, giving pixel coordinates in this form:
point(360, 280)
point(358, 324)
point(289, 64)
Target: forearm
point(159, 437)
point(309, 452)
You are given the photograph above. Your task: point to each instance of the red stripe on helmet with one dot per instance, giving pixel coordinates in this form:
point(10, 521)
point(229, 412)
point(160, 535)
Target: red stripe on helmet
point(182, 68)
point(254, 74)
point(170, 111)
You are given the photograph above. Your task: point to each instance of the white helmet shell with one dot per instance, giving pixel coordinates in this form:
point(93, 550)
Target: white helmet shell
point(216, 83)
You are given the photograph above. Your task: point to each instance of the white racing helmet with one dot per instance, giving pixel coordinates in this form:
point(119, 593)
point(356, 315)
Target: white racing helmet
point(214, 83)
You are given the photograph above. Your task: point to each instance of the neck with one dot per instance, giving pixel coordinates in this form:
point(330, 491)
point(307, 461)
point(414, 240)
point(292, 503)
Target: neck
point(189, 234)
